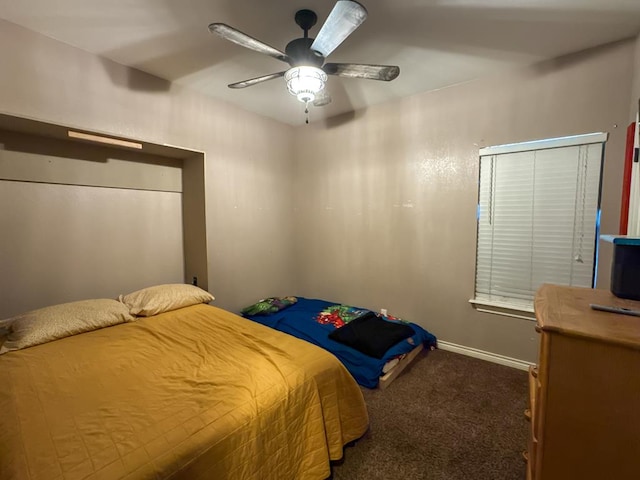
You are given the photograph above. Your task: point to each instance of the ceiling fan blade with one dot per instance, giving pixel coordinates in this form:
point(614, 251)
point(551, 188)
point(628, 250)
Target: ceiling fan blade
point(322, 99)
point(244, 40)
point(346, 16)
point(254, 81)
point(355, 70)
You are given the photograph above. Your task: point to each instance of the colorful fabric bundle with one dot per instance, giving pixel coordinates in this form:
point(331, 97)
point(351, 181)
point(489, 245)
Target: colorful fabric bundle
point(339, 315)
point(270, 305)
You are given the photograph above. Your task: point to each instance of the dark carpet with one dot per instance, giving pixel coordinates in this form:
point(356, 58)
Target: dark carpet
point(447, 416)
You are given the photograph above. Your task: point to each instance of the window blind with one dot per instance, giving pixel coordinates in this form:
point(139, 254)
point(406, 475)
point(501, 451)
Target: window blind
point(537, 219)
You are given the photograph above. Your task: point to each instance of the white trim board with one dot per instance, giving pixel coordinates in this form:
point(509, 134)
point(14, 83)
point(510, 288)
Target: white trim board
point(482, 355)
point(574, 140)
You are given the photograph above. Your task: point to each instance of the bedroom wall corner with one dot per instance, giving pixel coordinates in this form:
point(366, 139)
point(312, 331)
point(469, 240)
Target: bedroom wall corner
point(386, 198)
point(248, 166)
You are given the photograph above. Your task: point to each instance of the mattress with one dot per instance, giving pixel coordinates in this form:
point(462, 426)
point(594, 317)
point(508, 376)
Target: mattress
point(301, 321)
point(196, 393)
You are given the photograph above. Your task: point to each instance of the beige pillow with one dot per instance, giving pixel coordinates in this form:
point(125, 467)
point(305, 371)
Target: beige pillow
point(163, 298)
point(59, 321)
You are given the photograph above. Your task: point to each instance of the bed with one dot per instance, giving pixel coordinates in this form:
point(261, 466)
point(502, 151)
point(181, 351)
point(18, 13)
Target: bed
point(317, 321)
point(192, 393)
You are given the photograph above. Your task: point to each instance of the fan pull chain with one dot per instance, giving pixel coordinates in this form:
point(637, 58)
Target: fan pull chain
point(306, 111)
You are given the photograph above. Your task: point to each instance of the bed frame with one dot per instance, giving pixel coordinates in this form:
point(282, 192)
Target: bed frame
point(387, 378)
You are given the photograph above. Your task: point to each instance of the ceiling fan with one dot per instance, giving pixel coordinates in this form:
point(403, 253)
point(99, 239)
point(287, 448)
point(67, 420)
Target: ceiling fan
point(306, 56)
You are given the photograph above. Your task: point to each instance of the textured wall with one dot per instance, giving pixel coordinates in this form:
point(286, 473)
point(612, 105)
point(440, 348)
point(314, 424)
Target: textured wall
point(386, 198)
point(248, 157)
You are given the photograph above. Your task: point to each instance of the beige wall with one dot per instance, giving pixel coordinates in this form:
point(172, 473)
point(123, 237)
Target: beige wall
point(383, 201)
point(635, 85)
point(386, 199)
point(248, 157)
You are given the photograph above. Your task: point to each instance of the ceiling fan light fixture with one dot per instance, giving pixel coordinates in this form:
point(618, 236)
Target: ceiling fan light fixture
point(305, 82)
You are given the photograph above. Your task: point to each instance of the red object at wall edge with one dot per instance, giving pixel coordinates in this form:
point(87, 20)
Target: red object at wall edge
point(626, 179)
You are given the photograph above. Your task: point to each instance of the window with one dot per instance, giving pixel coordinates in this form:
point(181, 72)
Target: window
point(538, 217)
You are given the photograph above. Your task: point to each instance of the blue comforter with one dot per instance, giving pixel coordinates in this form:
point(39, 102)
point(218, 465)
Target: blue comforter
point(299, 320)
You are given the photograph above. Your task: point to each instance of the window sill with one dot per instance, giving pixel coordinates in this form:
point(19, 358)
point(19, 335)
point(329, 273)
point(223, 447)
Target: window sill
point(504, 309)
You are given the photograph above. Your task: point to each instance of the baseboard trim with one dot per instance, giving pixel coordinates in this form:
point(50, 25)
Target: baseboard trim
point(482, 355)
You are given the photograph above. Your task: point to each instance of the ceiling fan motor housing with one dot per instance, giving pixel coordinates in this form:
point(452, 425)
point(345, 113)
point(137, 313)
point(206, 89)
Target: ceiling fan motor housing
point(300, 53)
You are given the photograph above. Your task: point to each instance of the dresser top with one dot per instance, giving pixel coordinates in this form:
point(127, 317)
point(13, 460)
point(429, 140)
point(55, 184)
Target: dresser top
point(567, 310)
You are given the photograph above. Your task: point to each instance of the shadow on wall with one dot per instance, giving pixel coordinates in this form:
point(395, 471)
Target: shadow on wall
point(343, 118)
point(566, 61)
point(133, 79)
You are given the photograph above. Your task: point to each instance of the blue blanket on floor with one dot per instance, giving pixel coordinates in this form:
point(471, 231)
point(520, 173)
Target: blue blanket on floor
point(299, 320)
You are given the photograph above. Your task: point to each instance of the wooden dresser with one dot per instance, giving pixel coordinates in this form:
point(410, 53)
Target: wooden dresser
point(585, 393)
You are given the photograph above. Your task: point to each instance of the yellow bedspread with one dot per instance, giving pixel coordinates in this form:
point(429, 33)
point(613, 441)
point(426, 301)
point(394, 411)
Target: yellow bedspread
point(197, 393)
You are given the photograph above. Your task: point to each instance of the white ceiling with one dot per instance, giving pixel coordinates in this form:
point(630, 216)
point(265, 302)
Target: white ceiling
point(436, 43)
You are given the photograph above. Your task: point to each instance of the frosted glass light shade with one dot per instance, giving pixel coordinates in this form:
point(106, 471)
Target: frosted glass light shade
point(305, 82)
